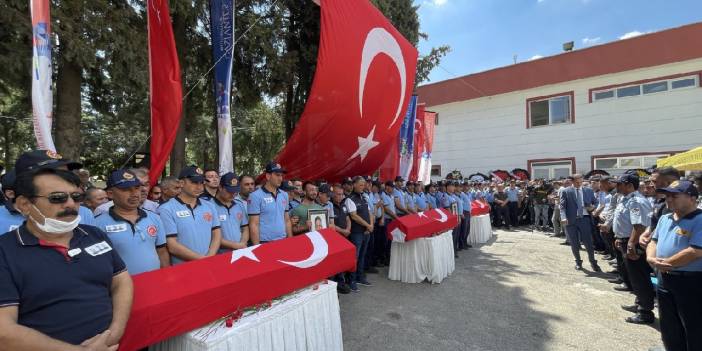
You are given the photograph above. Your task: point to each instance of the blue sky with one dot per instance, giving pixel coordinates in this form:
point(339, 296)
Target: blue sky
point(485, 34)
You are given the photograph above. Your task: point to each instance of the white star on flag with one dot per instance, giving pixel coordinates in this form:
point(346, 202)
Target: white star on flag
point(421, 214)
point(364, 145)
point(247, 252)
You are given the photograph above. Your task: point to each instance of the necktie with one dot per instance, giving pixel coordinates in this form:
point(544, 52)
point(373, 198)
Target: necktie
point(579, 197)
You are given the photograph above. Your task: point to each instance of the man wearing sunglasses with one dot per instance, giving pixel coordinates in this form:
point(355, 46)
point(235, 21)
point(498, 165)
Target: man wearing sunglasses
point(61, 284)
point(192, 225)
point(137, 235)
point(47, 159)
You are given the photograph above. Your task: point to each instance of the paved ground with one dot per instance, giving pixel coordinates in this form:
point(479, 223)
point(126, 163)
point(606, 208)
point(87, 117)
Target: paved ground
point(517, 292)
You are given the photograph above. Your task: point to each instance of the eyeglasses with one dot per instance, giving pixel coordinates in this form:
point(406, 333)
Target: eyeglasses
point(60, 197)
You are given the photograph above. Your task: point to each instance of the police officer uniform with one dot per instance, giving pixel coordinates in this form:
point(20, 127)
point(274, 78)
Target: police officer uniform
point(680, 289)
point(466, 199)
point(135, 242)
point(10, 218)
point(192, 226)
point(357, 203)
point(634, 209)
point(270, 207)
point(232, 217)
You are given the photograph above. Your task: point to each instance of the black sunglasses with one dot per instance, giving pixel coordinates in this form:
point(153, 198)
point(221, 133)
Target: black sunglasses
point(61, 197)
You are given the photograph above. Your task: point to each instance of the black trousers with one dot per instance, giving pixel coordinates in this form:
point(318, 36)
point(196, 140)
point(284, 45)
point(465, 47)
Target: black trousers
point(640, 277)
point(513, 213)
point(680, 310)
point(501, 215)
point(621, 266)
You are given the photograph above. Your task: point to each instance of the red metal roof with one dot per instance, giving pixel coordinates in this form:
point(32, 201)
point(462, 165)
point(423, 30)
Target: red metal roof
point(668, 46)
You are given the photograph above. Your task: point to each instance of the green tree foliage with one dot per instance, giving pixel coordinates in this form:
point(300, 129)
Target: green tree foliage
point(102, 87)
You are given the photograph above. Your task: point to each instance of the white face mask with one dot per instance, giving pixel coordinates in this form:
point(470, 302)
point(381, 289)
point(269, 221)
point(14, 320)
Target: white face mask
point(54, 226)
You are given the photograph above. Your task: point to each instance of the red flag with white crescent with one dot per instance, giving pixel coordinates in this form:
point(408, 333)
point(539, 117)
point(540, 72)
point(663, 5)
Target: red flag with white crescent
point(166, 89)
point(362, 86)
point(419, 142)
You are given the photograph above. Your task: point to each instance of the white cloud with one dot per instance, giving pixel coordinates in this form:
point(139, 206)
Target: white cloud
point(631, 34)
point(535, 57)
point(436, 3)
point(591, 41)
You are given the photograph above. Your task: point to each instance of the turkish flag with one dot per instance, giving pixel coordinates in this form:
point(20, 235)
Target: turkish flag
point(479, 207)
point(166, 89)
point(419, 140)
point(177, 299)
point(422, 224)
point(362, 86)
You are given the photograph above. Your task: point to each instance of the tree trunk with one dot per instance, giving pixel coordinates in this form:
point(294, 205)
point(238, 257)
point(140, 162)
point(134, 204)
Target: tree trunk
point(68, 111)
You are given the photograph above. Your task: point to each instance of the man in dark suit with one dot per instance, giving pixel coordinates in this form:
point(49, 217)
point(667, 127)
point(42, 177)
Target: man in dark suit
point(576, 203)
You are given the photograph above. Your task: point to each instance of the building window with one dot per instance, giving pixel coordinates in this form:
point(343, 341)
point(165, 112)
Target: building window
point(436, 170)
point(555, 169)
point(617, 165)
point(550, 110)
point(657, 85)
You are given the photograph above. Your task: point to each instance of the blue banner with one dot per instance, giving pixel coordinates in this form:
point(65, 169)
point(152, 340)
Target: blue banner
point(222, 33)
point(406, 143)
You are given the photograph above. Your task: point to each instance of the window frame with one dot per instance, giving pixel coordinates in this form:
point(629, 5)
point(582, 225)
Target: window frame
point(641, 155)
point(536, 162)
point(697, 75)
point(569, 94)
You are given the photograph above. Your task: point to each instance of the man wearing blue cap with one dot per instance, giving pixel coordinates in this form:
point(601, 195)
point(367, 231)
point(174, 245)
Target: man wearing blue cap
point(192, 225)
point(138, 235)
point(631, 217)
point(269, 219)
point(10, 217)
point(231, 212)
point(676, 253)
point(32, 161)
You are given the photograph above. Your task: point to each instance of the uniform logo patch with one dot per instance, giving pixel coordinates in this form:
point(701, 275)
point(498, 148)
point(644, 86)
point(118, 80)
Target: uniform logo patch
point(98, 249)
point(127, 176)
point(207, 216)
point(234, 182)
point(151, 230)
point(682, 232)
point(239, 216)
point(53, 154)
point(183, 214)
point(222, 217)
point(674, 184)
point(198, 170)
point(635, 210)
point(115, 228)
point(268, 200)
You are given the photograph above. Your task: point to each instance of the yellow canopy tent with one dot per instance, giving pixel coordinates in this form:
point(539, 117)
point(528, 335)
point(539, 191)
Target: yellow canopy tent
point(686, 161)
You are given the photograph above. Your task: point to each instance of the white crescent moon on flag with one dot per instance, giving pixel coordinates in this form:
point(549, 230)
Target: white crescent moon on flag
point(443, 218)
point(380, 41)
point(320, 250)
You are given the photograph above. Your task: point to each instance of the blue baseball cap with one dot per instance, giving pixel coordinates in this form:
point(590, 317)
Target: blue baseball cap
point(194, 173)
point(628, 179)
point(122, 179)
point(287, 185)
point(680, 187)
point(274, 167)
point(40, 159)
point(230, 182)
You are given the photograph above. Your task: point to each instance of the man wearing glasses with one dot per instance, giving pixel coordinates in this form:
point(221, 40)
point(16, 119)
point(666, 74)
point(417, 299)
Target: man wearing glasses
point(188, 220)
point(61, 284)
point(137, 235)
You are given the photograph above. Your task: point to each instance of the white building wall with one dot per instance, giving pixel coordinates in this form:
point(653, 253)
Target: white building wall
point(485, 134)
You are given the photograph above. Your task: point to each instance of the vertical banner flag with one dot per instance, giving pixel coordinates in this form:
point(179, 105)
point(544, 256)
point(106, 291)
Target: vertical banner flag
point(407, 138)
point(424, 175)
point(42, 100)
point(165, 86)
point(418, 142)
point(222, 28)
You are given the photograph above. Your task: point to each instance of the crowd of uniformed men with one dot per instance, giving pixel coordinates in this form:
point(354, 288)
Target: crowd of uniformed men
point(68, 247)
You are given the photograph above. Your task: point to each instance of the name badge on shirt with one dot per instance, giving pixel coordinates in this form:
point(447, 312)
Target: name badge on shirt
point(183, 214)
point(98, 249)
point(268, 200)
point(222, 217)
point(115, 228)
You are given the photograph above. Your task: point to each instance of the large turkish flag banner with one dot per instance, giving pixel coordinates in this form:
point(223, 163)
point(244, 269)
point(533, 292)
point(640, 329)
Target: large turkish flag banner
point(175, 300)
point(362, 86)
point(422, 224)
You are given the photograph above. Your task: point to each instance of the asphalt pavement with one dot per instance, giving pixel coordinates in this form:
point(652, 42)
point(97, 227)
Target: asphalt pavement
point(519, 291)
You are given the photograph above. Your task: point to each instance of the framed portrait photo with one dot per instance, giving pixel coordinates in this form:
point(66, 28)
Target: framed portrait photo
point(318, 218)
point(454, 208)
